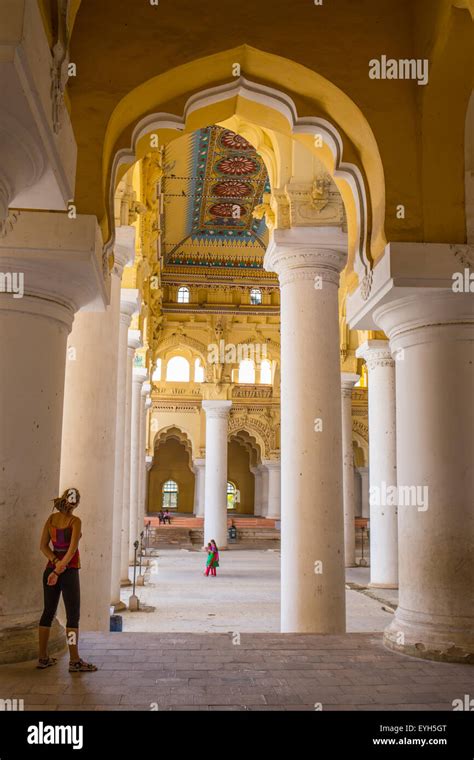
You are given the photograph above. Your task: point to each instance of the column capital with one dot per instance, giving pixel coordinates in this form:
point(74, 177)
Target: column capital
point(217, 409)
point(199, 462)
point(348, 380)
point(271, 464)
point(124, 248)
point(134, 339)
point(148, 462)
point(376, 353)
point(139, 375)
point(129, 303)
point(422, 279)
point(304, 253)
point(57, 259)
point(146, 387)
point(416, 319)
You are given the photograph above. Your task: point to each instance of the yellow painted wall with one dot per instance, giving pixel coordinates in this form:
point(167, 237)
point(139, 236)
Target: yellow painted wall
point(171, 463)
point(238, 471)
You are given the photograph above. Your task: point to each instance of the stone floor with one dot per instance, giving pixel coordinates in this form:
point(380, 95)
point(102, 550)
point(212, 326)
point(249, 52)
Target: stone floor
point(200, 650)
point(245, 596)
point(145, 671)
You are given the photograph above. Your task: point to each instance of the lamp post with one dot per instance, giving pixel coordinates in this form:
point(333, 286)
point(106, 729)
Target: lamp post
point(134, 602)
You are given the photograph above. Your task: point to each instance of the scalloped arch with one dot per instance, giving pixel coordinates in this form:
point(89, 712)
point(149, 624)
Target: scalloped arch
point(325, 109)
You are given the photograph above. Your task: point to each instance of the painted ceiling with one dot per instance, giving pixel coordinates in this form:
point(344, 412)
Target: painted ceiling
point(213, 180)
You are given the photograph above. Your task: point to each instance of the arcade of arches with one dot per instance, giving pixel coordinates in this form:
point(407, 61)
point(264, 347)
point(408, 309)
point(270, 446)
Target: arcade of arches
point(227, 288)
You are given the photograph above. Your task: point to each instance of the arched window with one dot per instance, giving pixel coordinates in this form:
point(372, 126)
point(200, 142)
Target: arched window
point(246, 371)
point(157, 373)
point(233, 495)
point(266, 372)
point(170, 495)
point(177, 369)
point(255, 296)
point(198, 372)
point(183, 295)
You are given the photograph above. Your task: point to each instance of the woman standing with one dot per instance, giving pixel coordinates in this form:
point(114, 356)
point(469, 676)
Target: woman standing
point(212, 558)
point(63, 530)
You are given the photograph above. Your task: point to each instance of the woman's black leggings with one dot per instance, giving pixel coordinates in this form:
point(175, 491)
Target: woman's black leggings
point(68, 584)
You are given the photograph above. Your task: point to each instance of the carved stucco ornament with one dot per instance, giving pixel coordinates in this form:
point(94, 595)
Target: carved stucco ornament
point(264, 209)
point(366, 285)
point(465, 255)
point(59, 65)
point(7, 225)
point(315, 203)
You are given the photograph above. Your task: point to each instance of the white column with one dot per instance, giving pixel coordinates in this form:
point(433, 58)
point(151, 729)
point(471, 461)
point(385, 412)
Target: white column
point(383, 462)
point(148, 466)
point(133, 343)
point(364, 481)
point(145, 405)
point(88, 448)
point(274, 489)
point(308, 262)
point(33, 335)
point(257, 500)
point(215, 517)
point(432, 338)
point(139, 376)
point(128, 306)
point(348, 380)
point(199, 466)
point(263, 491)
point(53, 266)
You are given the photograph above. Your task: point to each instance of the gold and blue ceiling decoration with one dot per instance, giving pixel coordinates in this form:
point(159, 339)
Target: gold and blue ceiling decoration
point(216, 181)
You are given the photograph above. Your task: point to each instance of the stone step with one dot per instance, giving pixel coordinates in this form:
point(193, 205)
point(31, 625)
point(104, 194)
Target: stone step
point(179, 521)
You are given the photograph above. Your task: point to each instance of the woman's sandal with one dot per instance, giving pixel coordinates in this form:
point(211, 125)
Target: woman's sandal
point(79, 666)
point(46, 662)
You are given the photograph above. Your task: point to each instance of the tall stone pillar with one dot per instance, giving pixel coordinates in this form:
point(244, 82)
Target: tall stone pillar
point(215, 517)
point(51, 267)
point(348, 380)
point(145, 405)
point(134, 342)
point(274, 489)
point(308, 262)
point(383, 463)
point(88, 448)
point(263, 490)
point(257, 504)
point(432, 336)
point(199, 466)
point(128, 306)
point(148, 466)
point(364, 486)
point(139, 376)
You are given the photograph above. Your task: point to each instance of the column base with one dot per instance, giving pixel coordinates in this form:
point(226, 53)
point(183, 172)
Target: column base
point(419, 635)
point(118, 607)
point(123, 584)
point(19, 639)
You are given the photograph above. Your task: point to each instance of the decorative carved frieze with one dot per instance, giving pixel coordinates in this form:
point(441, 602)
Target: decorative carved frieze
point(186, 408)
point(360, 427)
point(252, 391)
point(315, 203)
